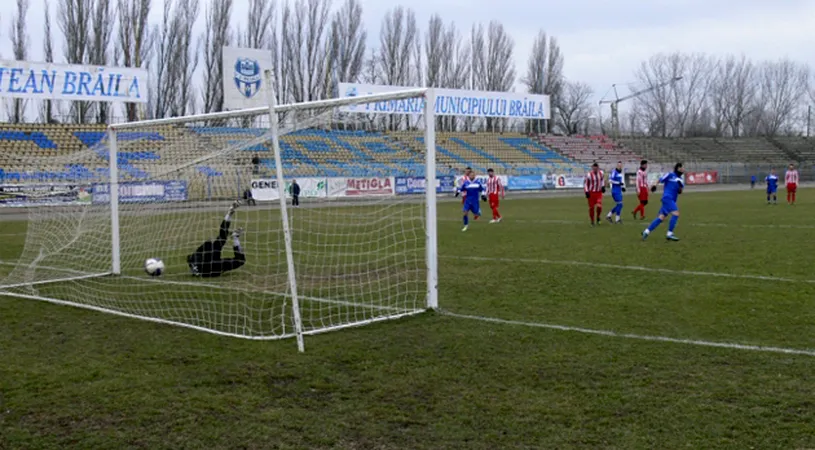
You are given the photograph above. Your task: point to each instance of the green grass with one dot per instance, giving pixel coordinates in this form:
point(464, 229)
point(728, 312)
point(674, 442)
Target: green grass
point(71, 378)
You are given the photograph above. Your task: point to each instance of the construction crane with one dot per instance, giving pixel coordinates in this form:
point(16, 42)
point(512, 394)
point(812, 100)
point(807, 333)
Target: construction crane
point(615, 119)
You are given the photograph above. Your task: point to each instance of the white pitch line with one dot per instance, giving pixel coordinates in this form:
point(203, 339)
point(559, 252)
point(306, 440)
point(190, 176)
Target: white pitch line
point(635, 268)
point(614, 334)
point(646, 222)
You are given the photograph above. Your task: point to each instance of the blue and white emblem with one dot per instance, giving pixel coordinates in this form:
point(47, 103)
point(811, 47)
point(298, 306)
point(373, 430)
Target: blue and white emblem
point(247, 76)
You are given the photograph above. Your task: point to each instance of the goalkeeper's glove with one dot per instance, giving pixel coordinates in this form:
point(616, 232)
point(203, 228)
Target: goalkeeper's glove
point(483, 198)
point(588, 195)
point(623, 189)
point(653, 188)
point(603, 189)
point(457, 193)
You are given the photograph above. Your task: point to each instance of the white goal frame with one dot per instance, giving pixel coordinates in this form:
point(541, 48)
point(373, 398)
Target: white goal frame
point(431, 238)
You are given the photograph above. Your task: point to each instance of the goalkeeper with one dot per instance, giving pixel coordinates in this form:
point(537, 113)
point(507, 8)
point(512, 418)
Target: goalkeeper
point(207, 262)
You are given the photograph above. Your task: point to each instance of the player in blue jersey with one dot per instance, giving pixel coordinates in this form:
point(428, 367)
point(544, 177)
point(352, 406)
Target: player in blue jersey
point(617, 188)
point(673, 185)
point(473, 190)
point(772, 187)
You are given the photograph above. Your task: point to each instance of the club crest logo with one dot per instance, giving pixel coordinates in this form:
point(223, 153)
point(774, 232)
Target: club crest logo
point(247, 76)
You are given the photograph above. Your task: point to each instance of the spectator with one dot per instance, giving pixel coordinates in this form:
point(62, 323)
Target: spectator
point(295, 194)
point(255, 165)
point(752, 182)
point(247, 197)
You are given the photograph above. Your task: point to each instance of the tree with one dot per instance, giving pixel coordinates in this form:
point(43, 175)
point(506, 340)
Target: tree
point(435, 51)
point(347, 45)
point(574, 107)
point(544, 75)
point(217, 35)
point(305, 49)
point(47, 107)
point(783, 86)
point(102, 29)
point(260, 26)
point(19, 44)
point(74, 18)
point(494, 67)
point(655, 104)
point(135, 40)
point(399, 49)
point(177, 57)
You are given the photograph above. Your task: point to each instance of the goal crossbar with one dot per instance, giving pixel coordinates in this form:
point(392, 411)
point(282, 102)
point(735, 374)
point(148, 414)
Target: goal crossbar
point(327, 103)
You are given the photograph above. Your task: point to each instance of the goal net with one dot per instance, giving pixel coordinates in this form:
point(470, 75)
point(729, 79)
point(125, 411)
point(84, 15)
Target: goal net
point(352, 252)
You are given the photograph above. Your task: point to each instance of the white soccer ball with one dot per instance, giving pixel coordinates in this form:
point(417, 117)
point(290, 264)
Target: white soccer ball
point(154, 267)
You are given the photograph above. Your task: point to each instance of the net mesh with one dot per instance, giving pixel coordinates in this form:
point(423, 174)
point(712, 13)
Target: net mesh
point(358, 249)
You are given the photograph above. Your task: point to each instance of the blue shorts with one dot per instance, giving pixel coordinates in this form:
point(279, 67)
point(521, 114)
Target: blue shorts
point(617, 196)
point(473, 207)
point(772, 190)
point(668, 207)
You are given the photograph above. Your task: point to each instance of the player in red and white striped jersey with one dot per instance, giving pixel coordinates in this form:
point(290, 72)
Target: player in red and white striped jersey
point(494, 188)
point(467, 176)
point(642, 190)
point(791, 179)
point(594, 186)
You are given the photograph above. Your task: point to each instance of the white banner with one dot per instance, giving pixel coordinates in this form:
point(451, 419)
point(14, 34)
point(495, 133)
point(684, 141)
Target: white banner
point(244, 83)
point(266, 189)
point(568, 182)
point(44, 81)
point(451, 102)
point(337, 187)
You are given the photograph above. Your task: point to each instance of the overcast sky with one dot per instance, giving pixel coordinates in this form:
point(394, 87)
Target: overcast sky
point(603, 41)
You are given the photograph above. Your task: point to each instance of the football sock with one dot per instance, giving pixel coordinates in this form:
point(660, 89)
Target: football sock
point(654, 224)
point(672, 224)
point(466, 219)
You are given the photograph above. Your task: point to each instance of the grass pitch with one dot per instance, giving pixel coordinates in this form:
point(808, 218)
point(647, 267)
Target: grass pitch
point(742, 275)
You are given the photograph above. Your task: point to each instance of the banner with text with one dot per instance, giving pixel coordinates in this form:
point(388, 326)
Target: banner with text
point(43, 194)
point(526, 183)
point(358, 187)
point(244, 84)
point(143, 192)
point(451, 102)
point(568, 182)
point(266, 189)
point(481, 179)
point(702, 177)
point(46, 81)
point(416, 185)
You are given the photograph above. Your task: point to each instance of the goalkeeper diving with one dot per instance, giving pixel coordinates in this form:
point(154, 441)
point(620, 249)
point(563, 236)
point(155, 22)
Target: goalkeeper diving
point(207, 261)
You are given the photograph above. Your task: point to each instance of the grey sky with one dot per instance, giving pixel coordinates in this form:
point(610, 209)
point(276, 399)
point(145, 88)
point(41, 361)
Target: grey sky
point(603, 41)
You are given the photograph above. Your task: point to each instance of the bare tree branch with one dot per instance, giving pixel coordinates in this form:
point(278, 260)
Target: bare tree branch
point(217, 35)
point(74, 18)
point(399, 45)
point(19, 44)
point(574, 107)
point(783, 85)
point(304, 49)
point(48, 106)
point(135, 40)
point(544, 75)
point(347, 45)
point(102, 28)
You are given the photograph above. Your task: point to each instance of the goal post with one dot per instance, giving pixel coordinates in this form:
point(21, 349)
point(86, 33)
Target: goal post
point(355, 253)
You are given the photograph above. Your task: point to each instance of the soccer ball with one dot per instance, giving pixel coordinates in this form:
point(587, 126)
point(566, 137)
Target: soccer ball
point(154, 267)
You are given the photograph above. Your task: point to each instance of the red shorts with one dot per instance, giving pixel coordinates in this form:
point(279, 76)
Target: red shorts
point(792, 187)
point(494, 200)
point(643, 194)
point(595, 199)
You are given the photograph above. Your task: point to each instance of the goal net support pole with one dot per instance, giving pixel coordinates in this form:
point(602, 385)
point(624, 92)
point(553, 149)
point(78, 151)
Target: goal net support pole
point(430, 192)
point(284, 212)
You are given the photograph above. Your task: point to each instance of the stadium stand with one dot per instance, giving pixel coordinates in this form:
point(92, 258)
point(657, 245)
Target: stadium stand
point(708, 150)
point(590, 149)
point(37, 152)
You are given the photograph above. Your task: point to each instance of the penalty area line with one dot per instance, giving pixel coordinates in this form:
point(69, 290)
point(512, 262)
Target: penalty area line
point(640, 337)
point(634, 268)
